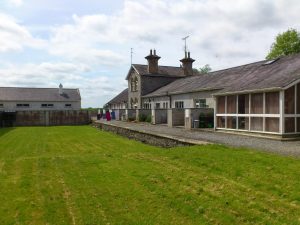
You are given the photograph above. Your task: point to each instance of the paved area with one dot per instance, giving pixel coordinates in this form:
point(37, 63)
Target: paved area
point(281, 147)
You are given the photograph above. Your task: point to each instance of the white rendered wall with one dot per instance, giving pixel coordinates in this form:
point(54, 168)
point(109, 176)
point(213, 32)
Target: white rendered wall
point(12, 106)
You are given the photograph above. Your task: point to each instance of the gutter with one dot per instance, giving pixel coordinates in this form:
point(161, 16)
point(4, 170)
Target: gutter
point(181, 92)
point(249, 91)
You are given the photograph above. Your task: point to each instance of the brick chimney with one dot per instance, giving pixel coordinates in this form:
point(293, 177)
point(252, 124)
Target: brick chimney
point(152, 59)
point(187, 64)
point(60, 90)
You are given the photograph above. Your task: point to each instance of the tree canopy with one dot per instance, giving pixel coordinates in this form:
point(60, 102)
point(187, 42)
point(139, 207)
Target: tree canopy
point(286, 43)
point(205, 69)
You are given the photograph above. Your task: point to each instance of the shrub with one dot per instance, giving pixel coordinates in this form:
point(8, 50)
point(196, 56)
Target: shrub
point(142, 117)
point(148, 119)
point(131, 119)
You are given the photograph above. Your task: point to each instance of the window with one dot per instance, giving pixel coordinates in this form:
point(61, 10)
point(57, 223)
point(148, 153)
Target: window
point(147, 105)
point(157, 105)
point(257, 104)
point(289, 124)
point(179, 105)
point(231, 104)
point(23, 105)
point(68, 105)
point(47, 105)
point(231, 122)
point(272, 103)
point(136, 84)
point(272, 124)
point(1, 105)
point(289, 100)
point(298, 99)
point(165, 105)
point(243, 123)
point(221, 121)
point(256, 124)
point(132, 84)
point(200, 103)
point(136, 103)
point(221, 104)
point(243, 101)
point(131, 103)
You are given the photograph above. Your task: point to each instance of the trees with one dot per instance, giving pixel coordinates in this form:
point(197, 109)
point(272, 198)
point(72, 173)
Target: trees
point(205, 69)
point(286, 43)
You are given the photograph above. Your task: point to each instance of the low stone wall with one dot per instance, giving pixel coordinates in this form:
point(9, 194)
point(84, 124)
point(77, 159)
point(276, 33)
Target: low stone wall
point(148, 138)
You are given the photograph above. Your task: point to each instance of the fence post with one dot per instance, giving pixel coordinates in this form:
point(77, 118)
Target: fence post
point(187, 119)
point(170, 118)
point(153, 116)
point(137, 113)
point(126, 114)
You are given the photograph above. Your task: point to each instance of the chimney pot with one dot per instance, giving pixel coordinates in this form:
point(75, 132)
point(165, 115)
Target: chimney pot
point(60, 90)
point(152, 62)
point(187, 64)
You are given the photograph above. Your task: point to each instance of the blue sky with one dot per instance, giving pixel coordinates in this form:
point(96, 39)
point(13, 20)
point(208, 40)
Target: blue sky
point(86, 44)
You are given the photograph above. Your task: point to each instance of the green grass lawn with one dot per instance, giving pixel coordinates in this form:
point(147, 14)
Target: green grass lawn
point(79, 175)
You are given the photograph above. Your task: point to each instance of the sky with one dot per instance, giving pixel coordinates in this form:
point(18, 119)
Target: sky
point(86, 44)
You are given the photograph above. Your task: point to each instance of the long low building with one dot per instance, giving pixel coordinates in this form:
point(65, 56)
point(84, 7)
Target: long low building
point(120, 101)
point(30, 99)
point(259, 97)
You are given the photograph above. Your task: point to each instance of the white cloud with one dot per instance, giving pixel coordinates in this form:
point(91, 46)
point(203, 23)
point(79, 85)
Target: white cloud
point(223, 33)
point(82, 41)
point(14, 37)
point(225, 25)
point(16, 3)
point(50, 74)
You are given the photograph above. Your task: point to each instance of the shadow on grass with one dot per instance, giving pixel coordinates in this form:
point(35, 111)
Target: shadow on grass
point(4, 131)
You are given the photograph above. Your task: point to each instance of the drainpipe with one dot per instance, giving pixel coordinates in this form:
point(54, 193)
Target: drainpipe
point(170, 100)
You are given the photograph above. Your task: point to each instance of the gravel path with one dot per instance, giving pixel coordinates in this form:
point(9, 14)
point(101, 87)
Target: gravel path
point(291, 148)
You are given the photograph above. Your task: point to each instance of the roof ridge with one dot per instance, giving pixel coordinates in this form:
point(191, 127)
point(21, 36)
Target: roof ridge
point(158, 65)
point(39, 88)
point(229, 68)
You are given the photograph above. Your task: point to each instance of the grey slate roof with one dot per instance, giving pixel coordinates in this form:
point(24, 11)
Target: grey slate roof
point(250, 77)
point(38, 94)
point(164, 71)
point(120, 98)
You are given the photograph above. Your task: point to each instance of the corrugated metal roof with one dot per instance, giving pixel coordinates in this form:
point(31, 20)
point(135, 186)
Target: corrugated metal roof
point(254, 76)
point(38, 94)
point(120, 98)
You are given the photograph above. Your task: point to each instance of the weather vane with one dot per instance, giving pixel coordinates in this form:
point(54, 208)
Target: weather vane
point(185, 47)
point(131, 54)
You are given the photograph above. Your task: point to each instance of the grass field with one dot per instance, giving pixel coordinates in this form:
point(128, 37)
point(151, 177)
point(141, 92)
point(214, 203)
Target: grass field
point(79, 175)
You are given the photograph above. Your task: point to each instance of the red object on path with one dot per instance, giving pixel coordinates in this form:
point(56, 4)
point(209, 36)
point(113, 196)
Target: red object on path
point(107, 114)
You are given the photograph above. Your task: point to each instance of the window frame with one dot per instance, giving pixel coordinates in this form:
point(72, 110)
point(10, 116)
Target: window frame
point(179, 104)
